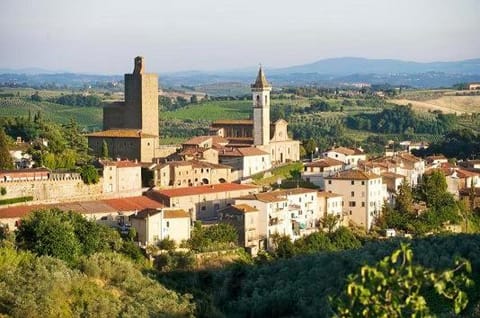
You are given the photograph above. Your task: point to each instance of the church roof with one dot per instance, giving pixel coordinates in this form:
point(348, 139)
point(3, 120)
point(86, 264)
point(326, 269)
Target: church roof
point(261, 81)
point(233, 122)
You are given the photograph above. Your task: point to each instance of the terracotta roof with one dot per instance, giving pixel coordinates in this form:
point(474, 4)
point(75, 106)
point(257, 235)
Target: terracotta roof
point(408, 157)
point(354, 174)
point(241, 152)
point(121, 133)
point(326, 194)
point(22, 171)
point(205, 189)
point(325, 162)
point(239, 208)
point(143, 214)
point(197, 140)
point(267, 197)
point(120, 163)
point(175, 214)
point(133, 203)
point(293, 191)
point(233, 122)
point(347, 151)
point(261, 81)
point(392, 175)
point(461, 173)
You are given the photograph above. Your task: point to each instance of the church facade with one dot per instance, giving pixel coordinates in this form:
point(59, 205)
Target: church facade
point(259, 132)
point(131, 127)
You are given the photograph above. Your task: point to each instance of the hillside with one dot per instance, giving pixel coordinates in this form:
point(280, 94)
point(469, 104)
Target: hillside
point(445, 101)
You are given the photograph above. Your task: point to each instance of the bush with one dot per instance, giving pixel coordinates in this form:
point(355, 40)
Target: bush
point(89, 174)
point(16, 200)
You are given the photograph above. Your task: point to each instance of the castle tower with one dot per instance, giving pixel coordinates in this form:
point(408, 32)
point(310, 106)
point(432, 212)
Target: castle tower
point(261, 109)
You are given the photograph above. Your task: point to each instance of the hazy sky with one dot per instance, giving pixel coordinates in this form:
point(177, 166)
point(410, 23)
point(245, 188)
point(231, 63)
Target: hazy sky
point(103, 36)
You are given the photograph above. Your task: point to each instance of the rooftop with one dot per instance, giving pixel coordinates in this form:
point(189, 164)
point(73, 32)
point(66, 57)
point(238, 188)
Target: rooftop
point(261, 80)
point(241, 152)
point(322, 194)
point(205, 189)
point(233, 122)
point(324, 162)
point(347, 151)
point(120, 133)
point(354, 174)
point(120, 163)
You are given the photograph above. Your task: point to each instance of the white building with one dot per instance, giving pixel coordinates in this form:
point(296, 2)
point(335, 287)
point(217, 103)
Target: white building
point(350, 157)
point(316, 171)
point(363, 192)
point(246, 160)
point(154, 225)
point(331, 204)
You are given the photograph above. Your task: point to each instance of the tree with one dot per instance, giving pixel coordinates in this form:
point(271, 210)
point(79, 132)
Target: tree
point(310, 146)
point(6, 161)
point(105, 150)
point(395, 287)
point(404, 199)
point(48, 232)
point(330, 222)
point(89, 174)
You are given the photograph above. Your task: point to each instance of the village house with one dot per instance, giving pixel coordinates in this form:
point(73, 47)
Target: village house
point(331, 204)
point(316, 171)
point(111, 212)
point(250, 225)
point(202, 202)
point(246, 161)
point(121, 176)
point(177, 174)
point(363, 192)
point(292, 212)
point(350, 157)
point(154, 225)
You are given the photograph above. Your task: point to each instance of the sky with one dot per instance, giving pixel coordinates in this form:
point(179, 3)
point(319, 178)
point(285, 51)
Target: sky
point(103, 36)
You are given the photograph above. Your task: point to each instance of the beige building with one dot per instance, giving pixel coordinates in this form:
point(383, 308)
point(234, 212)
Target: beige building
point(260, 132)
point(250, 225)
point(121, 176)
point(363, 193)
point(178, 174)
point(154, 225)
point(350, 157)
point(131, 127)
point(316, 171)
point(331, 204)
point(246, 161)
point(293, 212)
point(203, 202)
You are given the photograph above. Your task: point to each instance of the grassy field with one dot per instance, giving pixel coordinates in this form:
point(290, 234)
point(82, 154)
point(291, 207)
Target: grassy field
point(88, 117)
point(212, 110)
point(443, 100)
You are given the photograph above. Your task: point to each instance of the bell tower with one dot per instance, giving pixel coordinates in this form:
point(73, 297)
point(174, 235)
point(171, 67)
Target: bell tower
point(261, 109)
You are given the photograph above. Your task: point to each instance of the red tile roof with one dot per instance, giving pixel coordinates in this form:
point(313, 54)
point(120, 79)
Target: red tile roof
point(175, 214)
point(347, 151)
point(121, 133)
point(233, 122)
point(324, 162)
point(121, 163)
point(354, 175)
point(85, 207)
point(204, 189)
point(241, 152)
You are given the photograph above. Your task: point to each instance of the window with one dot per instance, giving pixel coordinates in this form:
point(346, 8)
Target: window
point(351, 204)
point(168, 223)
point(352, 193)
point(203, 208)
point(329, 181)
point(363, 204)
point(352, 182)
point(363, 182)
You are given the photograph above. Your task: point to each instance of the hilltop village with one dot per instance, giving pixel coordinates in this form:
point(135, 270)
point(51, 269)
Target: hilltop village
point(163, 192)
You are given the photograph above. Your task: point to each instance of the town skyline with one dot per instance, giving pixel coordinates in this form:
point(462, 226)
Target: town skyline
point(88, 37)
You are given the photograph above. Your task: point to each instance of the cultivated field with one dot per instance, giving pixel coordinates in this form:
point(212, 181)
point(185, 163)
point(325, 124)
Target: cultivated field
point(447, 102)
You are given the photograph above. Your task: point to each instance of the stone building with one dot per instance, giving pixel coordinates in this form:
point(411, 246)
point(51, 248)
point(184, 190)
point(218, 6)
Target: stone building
point(131, 127)
point(259, 132)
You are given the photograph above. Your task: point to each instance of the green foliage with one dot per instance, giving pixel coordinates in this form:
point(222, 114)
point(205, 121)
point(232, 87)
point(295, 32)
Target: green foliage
point(3, 190)
point(166, 244)
point(105, 285)
point(16, 200)
point(214, 237)
point(175, 261)
point(395, 287)
point(105, 153)
point(6, 161)
point(78, 100)
point(302, 286)
point(65, 235)
point(89, 174)
point(460, 144)
point(310, 146)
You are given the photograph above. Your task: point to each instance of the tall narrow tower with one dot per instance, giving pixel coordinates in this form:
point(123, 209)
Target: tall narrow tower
point(261, 109)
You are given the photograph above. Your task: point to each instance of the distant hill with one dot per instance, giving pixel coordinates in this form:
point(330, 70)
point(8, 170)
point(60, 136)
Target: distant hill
point(328, 72)
point(356, 65)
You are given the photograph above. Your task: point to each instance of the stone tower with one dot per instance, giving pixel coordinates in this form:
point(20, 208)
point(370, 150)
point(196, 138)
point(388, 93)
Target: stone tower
point(140, 109)
point(261, 109)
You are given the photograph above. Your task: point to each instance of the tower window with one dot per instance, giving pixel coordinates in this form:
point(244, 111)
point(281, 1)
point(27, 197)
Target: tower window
point(258, 97)
point(266, 99)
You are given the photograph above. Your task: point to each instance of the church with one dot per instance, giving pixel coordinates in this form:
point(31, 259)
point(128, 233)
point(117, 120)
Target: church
point(259, 132)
